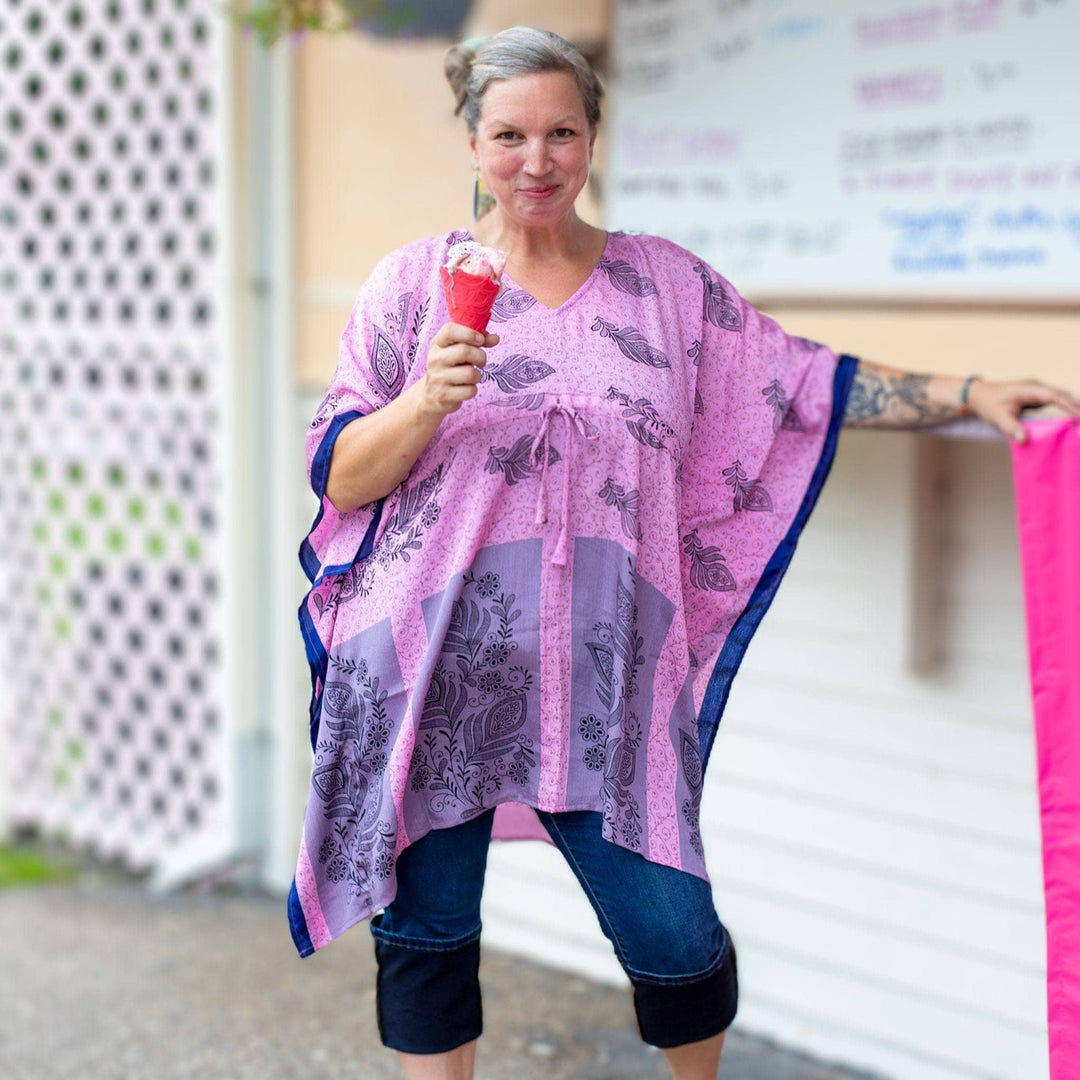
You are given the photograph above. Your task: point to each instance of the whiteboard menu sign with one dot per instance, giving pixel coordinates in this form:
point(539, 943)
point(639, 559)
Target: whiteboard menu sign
point(847, 148)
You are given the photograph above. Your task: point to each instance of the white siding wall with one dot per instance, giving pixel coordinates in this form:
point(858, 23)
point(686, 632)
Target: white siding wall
point(870, 814)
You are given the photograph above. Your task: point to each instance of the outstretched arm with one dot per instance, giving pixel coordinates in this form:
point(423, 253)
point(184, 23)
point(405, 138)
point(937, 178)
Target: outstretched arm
point(885, 397)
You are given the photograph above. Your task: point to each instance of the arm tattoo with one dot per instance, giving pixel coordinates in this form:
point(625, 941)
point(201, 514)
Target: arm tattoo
point(896, 400)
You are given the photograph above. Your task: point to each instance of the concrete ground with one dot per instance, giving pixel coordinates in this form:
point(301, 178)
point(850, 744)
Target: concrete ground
point(102, 980)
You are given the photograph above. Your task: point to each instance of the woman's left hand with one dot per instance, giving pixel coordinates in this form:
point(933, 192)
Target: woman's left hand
point(1000, 403)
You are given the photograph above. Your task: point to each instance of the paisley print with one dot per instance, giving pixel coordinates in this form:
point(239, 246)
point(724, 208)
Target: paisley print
point(785, 418)
point(628, 503)
point(748, 494)
point(690, 762)
point(517, 462)
point(472, 744)
point(626, 279)
point(417, 512)
point(707, 569)
point(643, 421)
point(716, 305)
point(358, 848)
point(398, 320)
point(326, 409)
point(479, 637)
point(616, 649)
point(387, 364)
point(516, 372)
point(419, 317)
point(510, 303)
point(632, 344)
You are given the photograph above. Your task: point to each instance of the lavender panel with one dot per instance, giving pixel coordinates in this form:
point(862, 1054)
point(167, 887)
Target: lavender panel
point(351, 825)
point(478, 742)
point(619, 626)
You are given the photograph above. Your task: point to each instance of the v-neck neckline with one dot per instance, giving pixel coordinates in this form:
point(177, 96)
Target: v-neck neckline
point(575, 296)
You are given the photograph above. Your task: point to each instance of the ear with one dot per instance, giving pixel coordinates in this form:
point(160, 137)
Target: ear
point(475, 157)
point(592, 141)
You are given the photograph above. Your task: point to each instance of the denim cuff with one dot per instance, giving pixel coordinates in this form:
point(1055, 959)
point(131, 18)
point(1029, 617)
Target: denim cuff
point(410, 941)
point(427, 1001)
point(674, 1014)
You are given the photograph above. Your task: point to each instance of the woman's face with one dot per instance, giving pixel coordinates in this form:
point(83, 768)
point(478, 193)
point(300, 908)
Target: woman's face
point(533, 146)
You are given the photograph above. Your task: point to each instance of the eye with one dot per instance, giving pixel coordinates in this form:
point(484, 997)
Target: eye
point(563, 133)
point(506, 136)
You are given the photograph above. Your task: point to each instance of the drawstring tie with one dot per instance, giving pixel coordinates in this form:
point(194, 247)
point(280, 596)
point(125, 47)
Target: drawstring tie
point(540, 456)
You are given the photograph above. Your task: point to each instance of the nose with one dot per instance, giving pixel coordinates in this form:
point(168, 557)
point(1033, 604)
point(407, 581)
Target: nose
point(537, 158)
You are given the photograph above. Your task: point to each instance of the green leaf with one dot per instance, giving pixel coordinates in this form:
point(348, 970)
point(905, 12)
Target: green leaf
point(27, 868)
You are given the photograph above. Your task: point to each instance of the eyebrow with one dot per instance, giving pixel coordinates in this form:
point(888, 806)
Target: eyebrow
point(562, 121)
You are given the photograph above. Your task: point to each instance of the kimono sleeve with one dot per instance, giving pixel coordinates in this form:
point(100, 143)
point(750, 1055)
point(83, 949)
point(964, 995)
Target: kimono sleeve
point(370, 372)
point(768, 409)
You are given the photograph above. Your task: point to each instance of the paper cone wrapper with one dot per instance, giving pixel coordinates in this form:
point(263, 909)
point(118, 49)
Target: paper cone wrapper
point(469, 297)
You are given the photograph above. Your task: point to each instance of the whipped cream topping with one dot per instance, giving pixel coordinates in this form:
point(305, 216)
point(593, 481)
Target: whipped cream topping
point(474, 258)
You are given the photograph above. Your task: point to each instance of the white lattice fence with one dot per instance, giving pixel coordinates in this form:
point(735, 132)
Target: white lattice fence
point(111, 459)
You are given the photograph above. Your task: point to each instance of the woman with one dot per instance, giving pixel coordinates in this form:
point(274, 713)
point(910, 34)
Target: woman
point(536, 569)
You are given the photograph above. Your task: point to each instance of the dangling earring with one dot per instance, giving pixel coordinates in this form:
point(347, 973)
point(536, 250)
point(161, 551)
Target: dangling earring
point(482, 200)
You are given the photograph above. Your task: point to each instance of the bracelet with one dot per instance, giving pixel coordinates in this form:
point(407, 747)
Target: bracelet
point(965, 388)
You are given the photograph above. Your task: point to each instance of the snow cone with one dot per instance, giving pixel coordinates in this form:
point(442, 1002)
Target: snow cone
point(470, 278)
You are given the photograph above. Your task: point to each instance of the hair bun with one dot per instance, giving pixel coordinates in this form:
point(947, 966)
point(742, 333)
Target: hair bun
point(456, 66)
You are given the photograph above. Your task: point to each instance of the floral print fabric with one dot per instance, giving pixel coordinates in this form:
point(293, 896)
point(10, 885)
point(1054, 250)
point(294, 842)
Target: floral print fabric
point(534, 616)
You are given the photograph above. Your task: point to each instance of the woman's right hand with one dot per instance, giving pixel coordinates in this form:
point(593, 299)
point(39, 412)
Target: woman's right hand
point(455, 364)
point(374, 453)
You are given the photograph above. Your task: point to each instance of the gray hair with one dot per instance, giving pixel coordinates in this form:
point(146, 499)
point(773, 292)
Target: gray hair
point(522, 50)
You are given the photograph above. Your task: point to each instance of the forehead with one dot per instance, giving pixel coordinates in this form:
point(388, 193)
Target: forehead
point(538, 98)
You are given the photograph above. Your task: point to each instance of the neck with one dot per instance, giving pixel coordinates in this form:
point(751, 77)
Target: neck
point(561, 240)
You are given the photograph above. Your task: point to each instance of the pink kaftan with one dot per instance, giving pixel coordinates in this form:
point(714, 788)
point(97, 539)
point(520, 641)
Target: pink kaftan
point(550, 608)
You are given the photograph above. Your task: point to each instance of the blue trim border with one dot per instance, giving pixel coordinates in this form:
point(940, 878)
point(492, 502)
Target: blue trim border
point(316, 654)
point(298, 924)
point(318, 662)
point(317, 659)
point(731, 655)
point(320, 471)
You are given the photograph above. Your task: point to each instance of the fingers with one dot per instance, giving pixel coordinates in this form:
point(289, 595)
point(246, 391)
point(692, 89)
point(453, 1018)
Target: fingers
point(454, 364)
point(1006, 421)
point(1034, 394)
point(1069, 403)
point(461, 375)
point(999, 405)
point(455, 387)
point(456, 334)
point(1004, 403)
point(456, 345)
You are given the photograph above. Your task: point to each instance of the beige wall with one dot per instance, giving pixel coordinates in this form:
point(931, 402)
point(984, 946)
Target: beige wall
point(1040, 343)
point(381, 160)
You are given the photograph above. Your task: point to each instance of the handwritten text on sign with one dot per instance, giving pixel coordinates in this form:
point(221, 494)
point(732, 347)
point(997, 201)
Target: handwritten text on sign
point(858, 148)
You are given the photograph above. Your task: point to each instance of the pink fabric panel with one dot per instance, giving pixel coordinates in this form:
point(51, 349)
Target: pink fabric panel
point(309, 900)
point(516, 821)
point(1047, 472)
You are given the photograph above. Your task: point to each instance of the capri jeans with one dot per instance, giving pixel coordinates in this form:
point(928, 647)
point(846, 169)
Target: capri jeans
point(662, 923)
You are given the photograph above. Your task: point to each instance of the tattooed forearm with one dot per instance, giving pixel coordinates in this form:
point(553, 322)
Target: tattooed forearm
point(885, 397)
